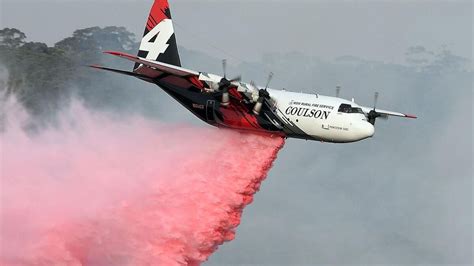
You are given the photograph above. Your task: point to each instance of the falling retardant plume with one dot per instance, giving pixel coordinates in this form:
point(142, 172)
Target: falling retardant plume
point(102, 190)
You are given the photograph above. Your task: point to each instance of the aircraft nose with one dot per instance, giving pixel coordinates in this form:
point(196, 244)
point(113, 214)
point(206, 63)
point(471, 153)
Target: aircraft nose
point(368, 129)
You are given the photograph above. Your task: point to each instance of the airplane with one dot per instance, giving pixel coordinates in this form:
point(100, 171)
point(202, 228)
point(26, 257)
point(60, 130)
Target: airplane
point(231, 103)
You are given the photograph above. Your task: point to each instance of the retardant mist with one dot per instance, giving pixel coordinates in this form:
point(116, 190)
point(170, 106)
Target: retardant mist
point(105, 191)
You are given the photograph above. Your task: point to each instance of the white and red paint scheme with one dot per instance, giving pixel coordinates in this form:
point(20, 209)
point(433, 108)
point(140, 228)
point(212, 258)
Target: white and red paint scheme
point(242, 106)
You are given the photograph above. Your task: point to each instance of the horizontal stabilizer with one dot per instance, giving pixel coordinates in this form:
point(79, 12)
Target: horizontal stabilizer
point(122, 72)
point(163, 67)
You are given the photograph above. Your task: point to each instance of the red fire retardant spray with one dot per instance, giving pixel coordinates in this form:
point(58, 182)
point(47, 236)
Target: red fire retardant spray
point(99, 190)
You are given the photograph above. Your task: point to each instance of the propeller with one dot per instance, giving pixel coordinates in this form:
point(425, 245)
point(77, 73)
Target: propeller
point(338, 91)
point(225, 84)
point(224, 67)
point(262, 95)
point(373, 114)
point(376, 98)
point(270, 76)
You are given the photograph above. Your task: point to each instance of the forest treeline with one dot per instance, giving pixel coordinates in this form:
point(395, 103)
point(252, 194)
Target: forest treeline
point(43, 78)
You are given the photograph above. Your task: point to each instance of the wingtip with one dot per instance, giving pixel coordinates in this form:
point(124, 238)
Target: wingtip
point(111, 52)
point(411, 116)
point(115, 53)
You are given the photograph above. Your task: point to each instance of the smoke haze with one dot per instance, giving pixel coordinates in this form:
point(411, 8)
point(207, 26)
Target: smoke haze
point(99, 190)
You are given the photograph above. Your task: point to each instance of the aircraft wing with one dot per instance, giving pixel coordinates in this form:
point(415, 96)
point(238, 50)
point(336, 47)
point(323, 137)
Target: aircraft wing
point(149, 70)
point(386, 113)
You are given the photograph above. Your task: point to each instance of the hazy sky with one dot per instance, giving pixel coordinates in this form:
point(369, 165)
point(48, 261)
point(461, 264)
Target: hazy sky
point(380, 30)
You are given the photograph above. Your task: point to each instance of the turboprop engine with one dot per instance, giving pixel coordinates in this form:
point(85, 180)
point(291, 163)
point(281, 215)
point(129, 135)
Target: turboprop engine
point(262, 95)
point(225, 84)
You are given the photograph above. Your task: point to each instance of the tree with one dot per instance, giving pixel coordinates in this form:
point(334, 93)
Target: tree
point(11, 38)
point(94, 40)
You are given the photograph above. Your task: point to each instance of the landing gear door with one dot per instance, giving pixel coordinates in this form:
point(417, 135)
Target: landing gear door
point(210, 104)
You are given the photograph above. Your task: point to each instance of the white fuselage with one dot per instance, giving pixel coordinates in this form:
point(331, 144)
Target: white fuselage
point(320, 117)
point(311, 116)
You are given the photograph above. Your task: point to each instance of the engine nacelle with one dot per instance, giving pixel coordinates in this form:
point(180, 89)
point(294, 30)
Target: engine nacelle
point(258, 106)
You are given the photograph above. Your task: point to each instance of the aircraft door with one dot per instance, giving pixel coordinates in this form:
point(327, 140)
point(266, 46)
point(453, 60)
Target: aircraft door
point(210, 105)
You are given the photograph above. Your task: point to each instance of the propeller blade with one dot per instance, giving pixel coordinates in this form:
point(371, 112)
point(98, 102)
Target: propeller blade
point(238, 78)
point(338, 91)
point(270, 76)
point(225, 82)
point(224, 67)
point(376, 97)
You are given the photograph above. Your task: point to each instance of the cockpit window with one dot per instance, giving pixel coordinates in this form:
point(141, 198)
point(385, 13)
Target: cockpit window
point(357, 110)
point(347, 108)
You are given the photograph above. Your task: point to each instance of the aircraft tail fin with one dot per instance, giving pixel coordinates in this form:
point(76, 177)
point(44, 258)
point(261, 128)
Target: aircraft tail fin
point(159, 40)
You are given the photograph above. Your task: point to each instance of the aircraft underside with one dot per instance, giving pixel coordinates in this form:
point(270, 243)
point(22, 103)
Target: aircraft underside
point(236, 115)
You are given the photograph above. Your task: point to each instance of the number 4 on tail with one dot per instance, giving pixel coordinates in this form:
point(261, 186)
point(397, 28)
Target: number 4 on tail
point(155, 42)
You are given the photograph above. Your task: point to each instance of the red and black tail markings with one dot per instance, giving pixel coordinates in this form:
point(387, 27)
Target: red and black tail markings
point(159, 11)
point(159, 40)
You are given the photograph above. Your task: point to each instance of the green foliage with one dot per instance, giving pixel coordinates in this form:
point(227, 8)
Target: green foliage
point(38, 75)
point(85, 45)
point(11, 38)
point(44, 78)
